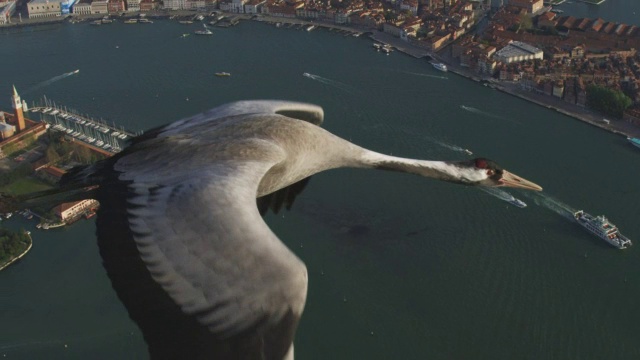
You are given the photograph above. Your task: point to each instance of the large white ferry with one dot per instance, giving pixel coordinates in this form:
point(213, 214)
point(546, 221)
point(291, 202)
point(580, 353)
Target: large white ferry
point(602, 228)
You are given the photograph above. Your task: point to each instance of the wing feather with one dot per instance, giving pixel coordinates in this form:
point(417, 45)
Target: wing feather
point(204, 241)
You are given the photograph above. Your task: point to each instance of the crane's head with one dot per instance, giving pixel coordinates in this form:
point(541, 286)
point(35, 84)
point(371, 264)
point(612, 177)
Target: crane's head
point(484, 172)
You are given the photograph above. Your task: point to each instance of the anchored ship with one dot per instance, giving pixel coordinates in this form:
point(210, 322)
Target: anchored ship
point(602, 228)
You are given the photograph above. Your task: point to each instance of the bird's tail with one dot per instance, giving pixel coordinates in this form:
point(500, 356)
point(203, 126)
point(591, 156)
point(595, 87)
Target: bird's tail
point(77, 184)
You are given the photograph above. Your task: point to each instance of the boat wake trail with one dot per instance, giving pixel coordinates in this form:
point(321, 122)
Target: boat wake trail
point(334, 83)
point(484, 113)
point(426, 75)
point(500, 194)
point(50, 81)
point(552, 204)
point(449, 146)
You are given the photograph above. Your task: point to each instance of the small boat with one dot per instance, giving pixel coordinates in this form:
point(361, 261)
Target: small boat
point(145, 21)
point(468, 152)
point(517, 202)
point(206, 31)
point(131, 21)
point(77, 71)
point(310, 28)
point(223, 73)
point(634, 141)
point(185, 35)
point(440, 66)
point(186, 22)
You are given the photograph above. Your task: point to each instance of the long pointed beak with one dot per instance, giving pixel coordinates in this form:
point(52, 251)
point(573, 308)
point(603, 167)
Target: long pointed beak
point(515, 181)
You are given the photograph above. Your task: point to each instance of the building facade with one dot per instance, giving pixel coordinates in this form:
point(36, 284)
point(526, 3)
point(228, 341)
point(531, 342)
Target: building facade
point(100, 7)
point(133, 5)
point(82, 8)
point(43, 8)
point(70, 211)
point(115, 6)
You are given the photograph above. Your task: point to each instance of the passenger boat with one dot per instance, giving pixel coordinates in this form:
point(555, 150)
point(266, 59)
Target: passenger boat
point(602, 228)
point(517, 202)
point(440, 66)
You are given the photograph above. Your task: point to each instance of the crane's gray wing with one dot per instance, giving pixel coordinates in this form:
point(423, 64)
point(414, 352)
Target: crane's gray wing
point(203, 240)
point(295, 110)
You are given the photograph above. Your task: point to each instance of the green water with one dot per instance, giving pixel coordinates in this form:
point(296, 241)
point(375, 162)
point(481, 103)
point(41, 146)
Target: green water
point(400, 267)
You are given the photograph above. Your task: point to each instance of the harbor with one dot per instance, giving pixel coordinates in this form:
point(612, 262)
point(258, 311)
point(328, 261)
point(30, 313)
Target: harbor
point(524, 269)
point(98, 135)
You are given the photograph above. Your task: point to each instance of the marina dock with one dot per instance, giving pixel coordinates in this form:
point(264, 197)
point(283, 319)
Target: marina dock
point(95, 134)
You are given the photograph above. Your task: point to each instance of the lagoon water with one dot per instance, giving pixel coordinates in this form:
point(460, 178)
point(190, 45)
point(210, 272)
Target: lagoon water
point(399, 267)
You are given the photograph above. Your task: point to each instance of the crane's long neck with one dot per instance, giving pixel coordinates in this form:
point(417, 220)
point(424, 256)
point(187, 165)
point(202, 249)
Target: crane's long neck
point(441, 170)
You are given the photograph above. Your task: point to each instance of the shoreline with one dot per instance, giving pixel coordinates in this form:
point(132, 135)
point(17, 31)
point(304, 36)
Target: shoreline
point(585, 115)
point(19, 256)
point(618, 126)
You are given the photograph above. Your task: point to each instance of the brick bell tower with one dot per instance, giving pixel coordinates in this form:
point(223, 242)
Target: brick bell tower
point(16, 103)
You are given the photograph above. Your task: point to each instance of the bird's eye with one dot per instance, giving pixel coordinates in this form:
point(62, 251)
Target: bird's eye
point(481, 163)
point(490, 172)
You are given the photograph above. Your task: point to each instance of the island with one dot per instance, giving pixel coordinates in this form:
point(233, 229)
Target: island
point(13, 246)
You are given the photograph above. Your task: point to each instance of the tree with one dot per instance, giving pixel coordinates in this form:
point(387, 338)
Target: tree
point(607, 101)
point(51, 154)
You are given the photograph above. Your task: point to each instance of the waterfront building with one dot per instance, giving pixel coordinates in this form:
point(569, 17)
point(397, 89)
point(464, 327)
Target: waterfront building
point(254, 6)
point(6, 10)
point(43, 8)
point(133, 5)
point(82, 8)
point(73, 210)
point(237, 6)
point(115, 6)
point(517, 51)
point(100, 7)
point(281, 9)
point(148, 5)
point(183, 4)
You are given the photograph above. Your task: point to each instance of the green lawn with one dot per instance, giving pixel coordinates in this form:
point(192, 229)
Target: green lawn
point(25, 185)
